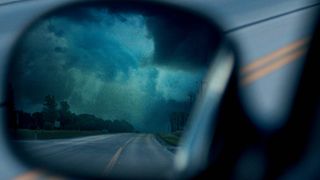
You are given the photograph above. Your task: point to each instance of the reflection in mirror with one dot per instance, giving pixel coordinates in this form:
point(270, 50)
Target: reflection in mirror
point(107, 89)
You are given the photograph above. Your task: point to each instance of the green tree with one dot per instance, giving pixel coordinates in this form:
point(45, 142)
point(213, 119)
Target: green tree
point(38, 120)
point(12, 113)
point(64, 107)
point(117, 126)
point(50, 113)
point(64, 114)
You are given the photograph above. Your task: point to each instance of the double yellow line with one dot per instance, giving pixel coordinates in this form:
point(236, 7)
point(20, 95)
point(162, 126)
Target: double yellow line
point(271, 62)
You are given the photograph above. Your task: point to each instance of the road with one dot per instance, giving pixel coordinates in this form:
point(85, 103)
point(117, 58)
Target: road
point(134, 155)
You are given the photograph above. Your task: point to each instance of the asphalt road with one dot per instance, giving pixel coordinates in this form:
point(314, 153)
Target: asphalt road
point(134, 155)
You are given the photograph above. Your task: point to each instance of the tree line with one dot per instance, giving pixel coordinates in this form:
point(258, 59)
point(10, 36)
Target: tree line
point(59, 116)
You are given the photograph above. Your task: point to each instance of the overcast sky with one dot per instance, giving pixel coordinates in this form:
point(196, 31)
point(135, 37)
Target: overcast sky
point(114, 64)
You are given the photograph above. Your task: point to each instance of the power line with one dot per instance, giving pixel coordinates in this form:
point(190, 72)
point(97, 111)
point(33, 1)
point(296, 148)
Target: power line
point(227, 31)
point(270, 18)
point(12, 2)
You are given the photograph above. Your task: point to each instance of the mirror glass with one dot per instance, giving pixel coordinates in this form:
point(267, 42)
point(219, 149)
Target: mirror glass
point(106, 89)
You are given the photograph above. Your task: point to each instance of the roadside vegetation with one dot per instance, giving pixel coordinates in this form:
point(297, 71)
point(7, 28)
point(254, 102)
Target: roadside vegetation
point(171, 139)
point(27, 134)
point(58, 121)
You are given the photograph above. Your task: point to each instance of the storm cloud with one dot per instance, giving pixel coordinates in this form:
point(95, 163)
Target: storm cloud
point(181, 42)
point(113, 64)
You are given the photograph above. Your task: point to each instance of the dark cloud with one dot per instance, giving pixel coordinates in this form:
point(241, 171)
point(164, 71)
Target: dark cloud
point(181, 39)
point(57, 31)
point(182, 42)
point(113, 64)
point(82, 14)
point(59, 49)
point(46, 59)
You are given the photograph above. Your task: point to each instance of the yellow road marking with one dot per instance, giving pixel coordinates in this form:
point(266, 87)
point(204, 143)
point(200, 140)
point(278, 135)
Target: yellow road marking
point(115, 157)
point(269, 63)
point(273, 56)
point(275, 65)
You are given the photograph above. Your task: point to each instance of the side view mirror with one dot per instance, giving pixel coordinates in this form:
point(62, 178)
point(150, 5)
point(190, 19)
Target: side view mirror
point(118, 89)
point(148, 90)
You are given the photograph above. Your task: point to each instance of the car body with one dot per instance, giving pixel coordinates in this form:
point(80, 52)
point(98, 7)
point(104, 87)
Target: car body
point(261, 30)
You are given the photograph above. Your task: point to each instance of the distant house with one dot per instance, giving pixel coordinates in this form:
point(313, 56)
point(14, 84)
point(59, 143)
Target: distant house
point(57, 124)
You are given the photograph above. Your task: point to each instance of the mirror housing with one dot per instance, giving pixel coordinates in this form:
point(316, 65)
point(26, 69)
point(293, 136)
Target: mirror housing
point(204, 43)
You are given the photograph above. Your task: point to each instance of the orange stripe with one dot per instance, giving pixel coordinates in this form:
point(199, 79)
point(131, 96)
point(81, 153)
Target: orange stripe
point(35, 174)
point(31, 175)
point(272, 67)
point(273, 56)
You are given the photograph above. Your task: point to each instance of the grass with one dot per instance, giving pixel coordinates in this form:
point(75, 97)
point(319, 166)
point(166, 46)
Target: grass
point(26, 134)
point(172, 139)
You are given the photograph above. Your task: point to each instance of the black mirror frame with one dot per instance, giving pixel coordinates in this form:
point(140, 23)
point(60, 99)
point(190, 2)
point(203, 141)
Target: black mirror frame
point(229, 43)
